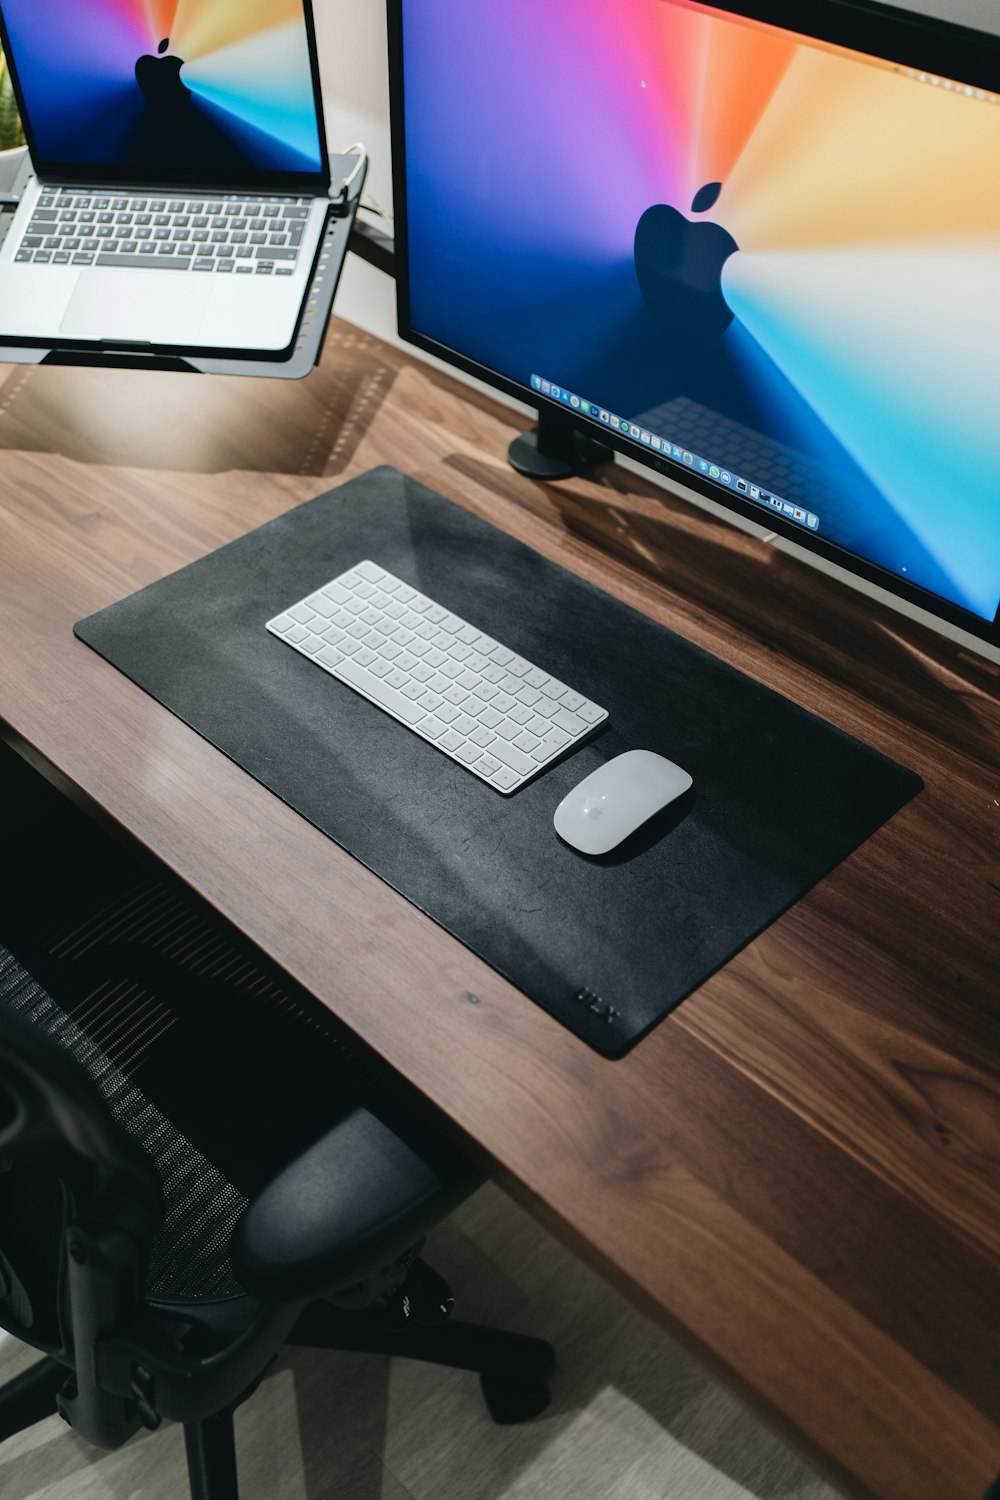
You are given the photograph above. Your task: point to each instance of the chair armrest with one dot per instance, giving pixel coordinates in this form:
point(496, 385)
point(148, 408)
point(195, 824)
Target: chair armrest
point(344, 1209)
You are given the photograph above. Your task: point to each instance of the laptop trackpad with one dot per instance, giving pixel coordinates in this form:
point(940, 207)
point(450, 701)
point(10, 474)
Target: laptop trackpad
point(158, 307)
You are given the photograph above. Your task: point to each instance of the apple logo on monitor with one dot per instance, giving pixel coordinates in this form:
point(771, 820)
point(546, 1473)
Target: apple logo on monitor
point(159, 78)
point(679, 267)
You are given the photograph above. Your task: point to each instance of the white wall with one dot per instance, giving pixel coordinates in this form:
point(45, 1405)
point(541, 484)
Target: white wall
point(982, 13)
point(351, 40)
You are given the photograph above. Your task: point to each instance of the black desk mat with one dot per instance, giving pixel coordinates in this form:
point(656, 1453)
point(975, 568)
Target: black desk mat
point(608, 945)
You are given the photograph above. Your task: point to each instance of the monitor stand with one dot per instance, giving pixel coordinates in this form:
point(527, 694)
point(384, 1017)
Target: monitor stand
point(556, 448)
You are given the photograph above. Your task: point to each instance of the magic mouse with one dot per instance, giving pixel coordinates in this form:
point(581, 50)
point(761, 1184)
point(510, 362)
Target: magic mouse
point(616, 799)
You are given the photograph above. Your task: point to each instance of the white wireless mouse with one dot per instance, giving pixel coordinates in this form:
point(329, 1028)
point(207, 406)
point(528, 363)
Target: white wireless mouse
point(617, 798)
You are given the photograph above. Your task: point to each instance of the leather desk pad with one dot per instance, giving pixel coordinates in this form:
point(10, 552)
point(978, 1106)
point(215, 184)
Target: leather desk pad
point(609, 945)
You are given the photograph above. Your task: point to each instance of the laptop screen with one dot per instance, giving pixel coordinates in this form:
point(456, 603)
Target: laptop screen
point(220, 92)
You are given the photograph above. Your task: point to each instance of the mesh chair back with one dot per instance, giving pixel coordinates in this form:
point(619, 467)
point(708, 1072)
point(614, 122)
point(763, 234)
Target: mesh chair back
point(63, 1160)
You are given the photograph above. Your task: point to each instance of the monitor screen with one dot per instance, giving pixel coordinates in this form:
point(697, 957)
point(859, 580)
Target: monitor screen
point(757, 244)
point(167, 90)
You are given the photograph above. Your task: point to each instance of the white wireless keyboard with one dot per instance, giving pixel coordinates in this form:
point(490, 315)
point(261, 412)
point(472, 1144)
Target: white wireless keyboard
point(499, 716)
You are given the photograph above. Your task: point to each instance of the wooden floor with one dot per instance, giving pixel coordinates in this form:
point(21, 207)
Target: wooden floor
point(632, 1418)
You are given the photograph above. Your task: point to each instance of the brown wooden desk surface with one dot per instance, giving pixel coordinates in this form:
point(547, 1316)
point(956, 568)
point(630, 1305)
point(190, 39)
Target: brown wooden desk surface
point(798, 1172)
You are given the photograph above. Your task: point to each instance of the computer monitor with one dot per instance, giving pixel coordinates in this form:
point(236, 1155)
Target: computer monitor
point(754, 245)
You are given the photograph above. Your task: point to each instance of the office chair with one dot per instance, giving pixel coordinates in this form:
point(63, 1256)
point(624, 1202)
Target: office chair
point(153, 1290)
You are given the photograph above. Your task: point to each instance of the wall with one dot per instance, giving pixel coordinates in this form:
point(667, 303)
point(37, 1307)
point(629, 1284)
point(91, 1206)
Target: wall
point(351, 39)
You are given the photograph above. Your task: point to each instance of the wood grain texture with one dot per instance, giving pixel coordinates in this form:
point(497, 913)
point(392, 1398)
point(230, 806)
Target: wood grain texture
point(798, 1172)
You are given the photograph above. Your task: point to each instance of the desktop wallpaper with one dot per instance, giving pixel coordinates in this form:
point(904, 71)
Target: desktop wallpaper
point(193, 87)
point(778, 254)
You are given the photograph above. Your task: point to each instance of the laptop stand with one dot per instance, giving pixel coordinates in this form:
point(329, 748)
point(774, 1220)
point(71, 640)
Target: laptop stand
point(15, 171)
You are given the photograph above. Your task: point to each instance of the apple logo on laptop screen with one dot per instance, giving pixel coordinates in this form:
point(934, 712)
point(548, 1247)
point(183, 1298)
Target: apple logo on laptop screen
point(159, 78)
point(679, 268)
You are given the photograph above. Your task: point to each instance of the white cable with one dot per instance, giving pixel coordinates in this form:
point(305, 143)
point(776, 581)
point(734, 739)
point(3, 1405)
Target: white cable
point(362, 155)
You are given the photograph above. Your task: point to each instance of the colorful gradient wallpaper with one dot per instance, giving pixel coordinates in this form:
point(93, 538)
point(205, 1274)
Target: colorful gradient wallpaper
point(182, 86)
point(829, 324)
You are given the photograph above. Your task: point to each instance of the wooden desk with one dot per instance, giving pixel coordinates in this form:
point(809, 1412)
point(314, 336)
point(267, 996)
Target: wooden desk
point(798, 1173)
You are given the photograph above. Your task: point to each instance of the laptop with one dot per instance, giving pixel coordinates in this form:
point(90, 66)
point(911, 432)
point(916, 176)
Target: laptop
point(181, 183)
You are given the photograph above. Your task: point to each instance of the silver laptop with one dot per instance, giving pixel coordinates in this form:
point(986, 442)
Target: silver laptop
point(181, 181)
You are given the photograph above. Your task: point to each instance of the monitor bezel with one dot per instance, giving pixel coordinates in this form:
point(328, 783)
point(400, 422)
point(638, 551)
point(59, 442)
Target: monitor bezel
point(907, 38)
point(305, 183)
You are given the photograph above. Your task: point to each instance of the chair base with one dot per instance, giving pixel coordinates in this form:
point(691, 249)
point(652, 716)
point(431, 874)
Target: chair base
point(512, 1401)
point(514, 1372)
point(211, 1458)
point(31, 1396)
point(514, 1368)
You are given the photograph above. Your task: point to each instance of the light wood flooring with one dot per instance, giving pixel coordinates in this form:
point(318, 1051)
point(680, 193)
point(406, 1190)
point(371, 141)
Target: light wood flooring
point(632, 1418)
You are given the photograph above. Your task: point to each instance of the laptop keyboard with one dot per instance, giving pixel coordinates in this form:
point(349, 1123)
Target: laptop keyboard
point(224, 233)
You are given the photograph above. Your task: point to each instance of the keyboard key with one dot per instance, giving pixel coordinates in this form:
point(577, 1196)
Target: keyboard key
point(551, 744)
point(468, 752)
point(514, 758)
point(563, 719)
point(177, 263)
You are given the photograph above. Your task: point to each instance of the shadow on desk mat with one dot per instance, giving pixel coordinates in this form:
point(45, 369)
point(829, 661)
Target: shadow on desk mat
point(607, 946)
